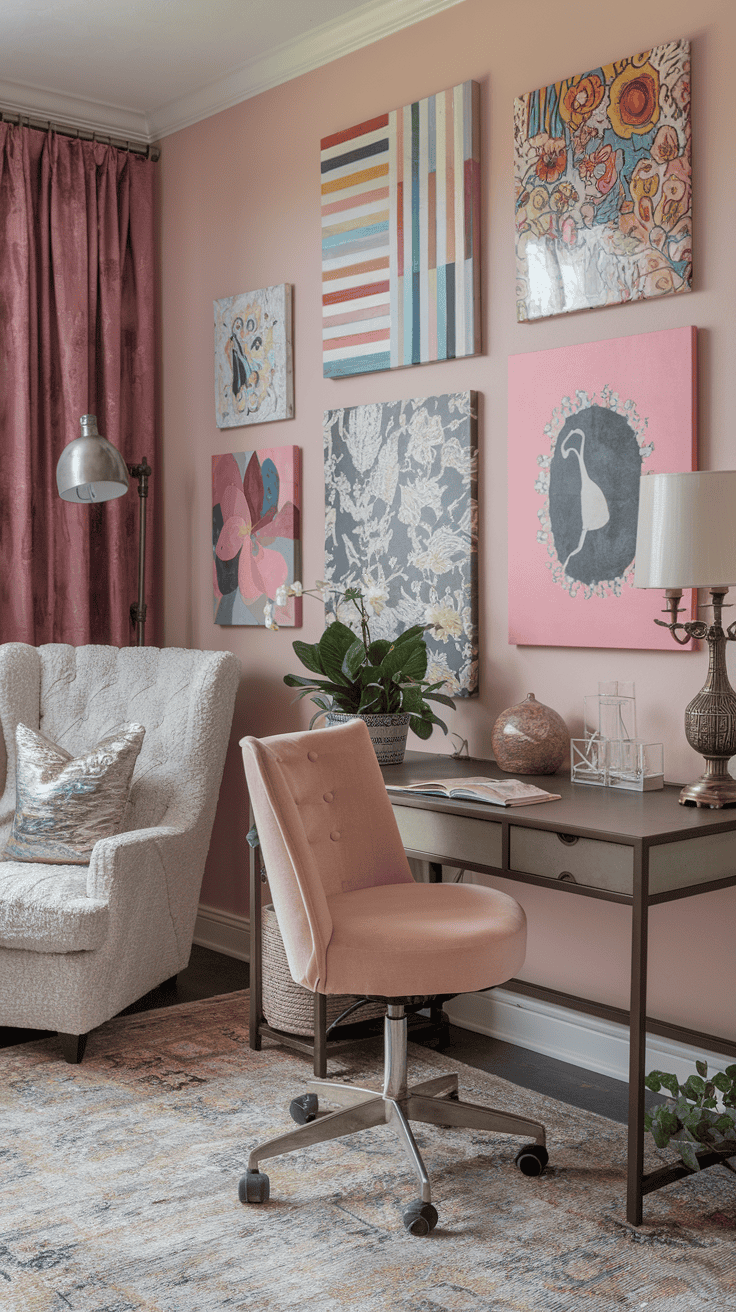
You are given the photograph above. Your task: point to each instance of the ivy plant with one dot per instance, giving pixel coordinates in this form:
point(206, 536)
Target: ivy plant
point(691, 1117)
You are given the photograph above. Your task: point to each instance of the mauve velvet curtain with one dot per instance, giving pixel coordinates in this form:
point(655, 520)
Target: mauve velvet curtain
point(76, 337)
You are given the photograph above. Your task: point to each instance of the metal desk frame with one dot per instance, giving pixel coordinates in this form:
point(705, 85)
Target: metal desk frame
point(638, 820)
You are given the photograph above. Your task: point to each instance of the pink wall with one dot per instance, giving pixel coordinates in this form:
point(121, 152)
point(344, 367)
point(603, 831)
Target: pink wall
point(240, 209)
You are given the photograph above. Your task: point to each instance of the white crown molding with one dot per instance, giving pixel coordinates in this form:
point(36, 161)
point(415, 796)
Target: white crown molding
point(74, 112)
point(369, 23)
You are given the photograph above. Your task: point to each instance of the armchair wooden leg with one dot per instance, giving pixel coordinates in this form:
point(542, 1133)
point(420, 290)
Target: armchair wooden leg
point(73, 1046)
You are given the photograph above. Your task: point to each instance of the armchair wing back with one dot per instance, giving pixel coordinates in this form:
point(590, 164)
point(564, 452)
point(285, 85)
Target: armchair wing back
point(322, 830)
point(80, 943)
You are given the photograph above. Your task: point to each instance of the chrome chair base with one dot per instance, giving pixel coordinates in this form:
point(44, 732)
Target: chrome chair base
point(433, 1102)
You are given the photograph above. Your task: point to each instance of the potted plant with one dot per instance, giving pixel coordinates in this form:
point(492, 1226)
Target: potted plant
point(691, 1118)
point(380, 680)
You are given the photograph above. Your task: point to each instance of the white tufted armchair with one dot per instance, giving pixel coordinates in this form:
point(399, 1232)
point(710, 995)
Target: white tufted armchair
point(78, 944)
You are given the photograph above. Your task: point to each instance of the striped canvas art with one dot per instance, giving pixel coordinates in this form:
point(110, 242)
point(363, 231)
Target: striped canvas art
point(401, 238)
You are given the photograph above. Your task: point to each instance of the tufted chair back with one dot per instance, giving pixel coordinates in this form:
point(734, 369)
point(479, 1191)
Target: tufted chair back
point(326, 826)
point(74, 695)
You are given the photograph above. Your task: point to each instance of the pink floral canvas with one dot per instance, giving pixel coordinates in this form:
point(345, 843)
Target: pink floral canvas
point(585, 422)
point(256, 501)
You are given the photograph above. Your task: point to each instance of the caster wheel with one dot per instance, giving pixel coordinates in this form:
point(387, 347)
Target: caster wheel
point(304, 1109)
point(532, 1159)
point(420, 1218)
point(254, 1187)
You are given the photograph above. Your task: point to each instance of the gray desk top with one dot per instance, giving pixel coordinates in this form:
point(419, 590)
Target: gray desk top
point(608, 813)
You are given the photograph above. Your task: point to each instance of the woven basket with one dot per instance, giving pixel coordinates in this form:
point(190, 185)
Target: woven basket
point(288, 1006)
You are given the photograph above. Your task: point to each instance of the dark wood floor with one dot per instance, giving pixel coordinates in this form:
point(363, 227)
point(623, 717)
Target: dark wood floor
point(210, 973)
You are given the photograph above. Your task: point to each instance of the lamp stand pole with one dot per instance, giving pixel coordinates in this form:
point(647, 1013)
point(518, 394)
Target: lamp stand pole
point(710, 719)
point(142, 472)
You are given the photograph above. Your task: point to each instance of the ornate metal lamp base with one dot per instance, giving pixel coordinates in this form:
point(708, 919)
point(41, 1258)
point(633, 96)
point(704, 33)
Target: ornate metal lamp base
point(710, 719)
point(715, 788)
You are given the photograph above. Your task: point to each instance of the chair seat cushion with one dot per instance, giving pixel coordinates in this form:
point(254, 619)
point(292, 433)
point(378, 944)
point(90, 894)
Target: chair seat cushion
point(45, 908)
point(403, 940)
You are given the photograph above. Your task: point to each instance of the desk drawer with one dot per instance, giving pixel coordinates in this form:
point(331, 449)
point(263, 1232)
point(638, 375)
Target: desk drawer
point(454, 839)
point(598, 865)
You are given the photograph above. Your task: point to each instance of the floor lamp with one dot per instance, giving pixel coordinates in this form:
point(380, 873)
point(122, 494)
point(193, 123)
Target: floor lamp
point(91, 469)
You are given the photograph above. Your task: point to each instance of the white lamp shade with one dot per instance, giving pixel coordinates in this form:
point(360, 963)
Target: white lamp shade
point(686, 535)
point(90, 468)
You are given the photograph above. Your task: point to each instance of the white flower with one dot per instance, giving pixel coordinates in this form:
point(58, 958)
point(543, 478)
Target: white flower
point(374, 595)
point(268, 616)
point(296, 589)
point(445, 622)
point(282, 595)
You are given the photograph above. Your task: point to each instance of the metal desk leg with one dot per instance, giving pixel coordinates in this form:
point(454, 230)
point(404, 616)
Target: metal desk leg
point(320, 1036)
point(255, 977)
point(637, 1034)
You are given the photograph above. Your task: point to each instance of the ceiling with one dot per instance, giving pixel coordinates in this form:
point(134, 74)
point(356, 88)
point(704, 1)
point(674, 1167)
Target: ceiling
point(141, 69)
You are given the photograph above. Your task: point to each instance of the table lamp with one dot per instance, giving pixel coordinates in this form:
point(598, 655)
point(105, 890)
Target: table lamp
point(91, 469)
point(686, 538)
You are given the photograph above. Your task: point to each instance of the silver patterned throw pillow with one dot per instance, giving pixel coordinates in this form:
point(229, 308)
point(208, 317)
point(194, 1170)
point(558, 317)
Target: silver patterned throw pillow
point(63, 805)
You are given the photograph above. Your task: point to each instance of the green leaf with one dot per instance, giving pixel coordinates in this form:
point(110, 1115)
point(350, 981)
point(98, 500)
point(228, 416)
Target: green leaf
point(354, 659)
point(693, 1088)
point(414, 663)
point(656, 1079)
point(420, 727)
point(439, 697)
point(377, 650)
point(721, 1081)
point(702, 1068)
point(687, 1153)
point(308, 654)
point(409, 634)
point(333, 645)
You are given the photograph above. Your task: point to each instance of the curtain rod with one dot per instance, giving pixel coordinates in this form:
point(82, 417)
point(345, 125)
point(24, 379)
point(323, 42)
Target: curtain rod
point(82, 134)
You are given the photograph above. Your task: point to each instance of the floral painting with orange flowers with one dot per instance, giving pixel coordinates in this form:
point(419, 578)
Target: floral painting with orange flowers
point(603, 189)
point(256, 501)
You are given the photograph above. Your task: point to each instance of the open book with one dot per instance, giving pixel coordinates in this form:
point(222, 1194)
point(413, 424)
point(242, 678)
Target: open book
point(501, 792)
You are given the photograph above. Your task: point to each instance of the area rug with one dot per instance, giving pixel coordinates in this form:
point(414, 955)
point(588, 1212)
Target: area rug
point(118, 1191)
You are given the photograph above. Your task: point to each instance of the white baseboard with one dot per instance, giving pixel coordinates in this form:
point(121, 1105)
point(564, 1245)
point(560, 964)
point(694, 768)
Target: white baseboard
point(223, 931)
point(571, 1036)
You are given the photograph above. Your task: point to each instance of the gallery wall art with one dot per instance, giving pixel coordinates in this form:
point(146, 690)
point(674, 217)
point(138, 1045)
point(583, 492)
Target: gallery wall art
point(254, 379)
point(603, 186)
point(256, 503)
point(585, 423)
point(401, 236)
point(402, 523)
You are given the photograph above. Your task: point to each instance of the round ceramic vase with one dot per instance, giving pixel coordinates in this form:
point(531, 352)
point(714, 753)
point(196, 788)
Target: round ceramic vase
point(388, 733)
point(530, 738)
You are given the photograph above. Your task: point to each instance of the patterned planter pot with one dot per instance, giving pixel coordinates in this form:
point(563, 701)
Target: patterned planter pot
point(388, 733)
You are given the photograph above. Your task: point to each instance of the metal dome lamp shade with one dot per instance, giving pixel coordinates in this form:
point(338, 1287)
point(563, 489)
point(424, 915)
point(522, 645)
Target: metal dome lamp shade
point(686, 538)
point(91, 469)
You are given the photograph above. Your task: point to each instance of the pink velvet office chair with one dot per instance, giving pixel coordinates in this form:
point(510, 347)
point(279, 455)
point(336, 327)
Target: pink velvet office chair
point(354, 921)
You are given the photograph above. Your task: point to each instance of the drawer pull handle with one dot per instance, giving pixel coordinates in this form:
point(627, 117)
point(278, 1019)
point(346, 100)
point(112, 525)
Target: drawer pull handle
point(567, 876)
point(569, 839)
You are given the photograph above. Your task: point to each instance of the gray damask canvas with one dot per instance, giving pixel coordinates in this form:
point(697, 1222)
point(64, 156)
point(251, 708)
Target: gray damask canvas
point(402, 522)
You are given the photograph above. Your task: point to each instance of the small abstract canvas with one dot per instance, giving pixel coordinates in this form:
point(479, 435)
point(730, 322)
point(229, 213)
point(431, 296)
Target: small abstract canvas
point(402, 523)
point(401, 236)
point(254, 379)
point(585, 423)
point(256, 501)
point(603, 185)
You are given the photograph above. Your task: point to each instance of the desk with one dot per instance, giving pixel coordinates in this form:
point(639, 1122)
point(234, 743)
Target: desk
point(635, 848)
